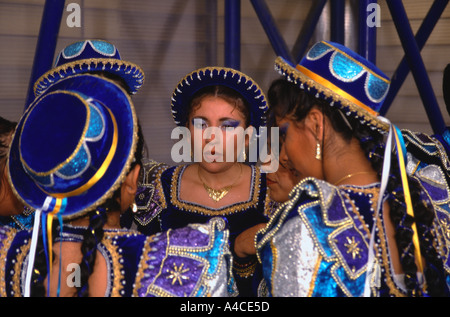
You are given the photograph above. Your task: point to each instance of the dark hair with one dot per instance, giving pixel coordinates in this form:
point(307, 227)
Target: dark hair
point(7, 129)
point(228, 94)
point(92, 236)
point(285, 98)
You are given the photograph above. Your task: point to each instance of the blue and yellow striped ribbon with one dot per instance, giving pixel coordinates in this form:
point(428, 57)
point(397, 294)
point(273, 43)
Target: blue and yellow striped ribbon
point(57, 207)
point(401, 155)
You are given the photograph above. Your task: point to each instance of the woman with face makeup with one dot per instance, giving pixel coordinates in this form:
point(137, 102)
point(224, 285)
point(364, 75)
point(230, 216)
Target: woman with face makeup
point(215, 107)
point(365, 219)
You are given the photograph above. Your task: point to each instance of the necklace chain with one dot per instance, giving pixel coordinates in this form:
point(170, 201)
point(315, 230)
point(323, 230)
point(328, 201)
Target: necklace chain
point(218, 194)
point(351, 175)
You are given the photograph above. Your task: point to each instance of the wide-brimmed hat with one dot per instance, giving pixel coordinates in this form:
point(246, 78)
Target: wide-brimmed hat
point(335, 73)
point(91, 56)
point(73, 146)
point(212, 76)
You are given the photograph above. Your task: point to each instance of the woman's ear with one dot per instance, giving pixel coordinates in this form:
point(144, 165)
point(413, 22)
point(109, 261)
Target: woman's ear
point(131, 181)
point(315, 121)
point(129, 188)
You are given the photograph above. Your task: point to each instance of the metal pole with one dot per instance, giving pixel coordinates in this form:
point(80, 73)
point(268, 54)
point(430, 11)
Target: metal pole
point(233, 34)
point(367, 35)
point(308, 28)
point(46, 44)
point(337, 21)
point(416, 65)
point(421, 37)
point(211, 32)
point(269, 25)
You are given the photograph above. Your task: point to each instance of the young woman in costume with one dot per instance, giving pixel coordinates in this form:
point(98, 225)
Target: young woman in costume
point(219, 182)
point(360, 222)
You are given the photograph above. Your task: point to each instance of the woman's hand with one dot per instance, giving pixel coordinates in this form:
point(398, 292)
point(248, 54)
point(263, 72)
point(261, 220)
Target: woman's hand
point(244, 244)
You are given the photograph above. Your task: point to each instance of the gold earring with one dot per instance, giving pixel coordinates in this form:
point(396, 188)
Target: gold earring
point(134, 207)
point(318, 152)
point(244, 155)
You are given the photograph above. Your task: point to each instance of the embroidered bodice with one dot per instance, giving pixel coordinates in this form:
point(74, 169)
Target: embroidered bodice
point(317, 244)
point(170, 211)
point(191, 261)
point(23, 221)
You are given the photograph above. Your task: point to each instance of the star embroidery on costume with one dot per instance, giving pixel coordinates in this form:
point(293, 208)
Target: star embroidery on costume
point(352, 247)
point(177, 274)
point(446, 228)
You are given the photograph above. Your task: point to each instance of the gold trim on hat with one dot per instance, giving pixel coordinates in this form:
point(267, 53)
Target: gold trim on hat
point(328, 90)
point(77, 148)
point(100, 172)
point(196, 73)
point(68, 69)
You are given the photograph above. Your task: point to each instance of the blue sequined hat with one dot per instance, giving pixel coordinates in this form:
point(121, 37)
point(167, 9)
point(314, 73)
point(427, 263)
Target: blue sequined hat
point(333, 72)
point(91, 56)
point(73, 145)
point(212, 76)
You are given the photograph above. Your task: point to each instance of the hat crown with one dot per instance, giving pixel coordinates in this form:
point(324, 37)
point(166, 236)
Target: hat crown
point(91, 56)
point(86, 50)
point(65, 139)
point(339, 66)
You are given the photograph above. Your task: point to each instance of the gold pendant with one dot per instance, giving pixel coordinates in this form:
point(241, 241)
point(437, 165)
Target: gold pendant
point(217, 194)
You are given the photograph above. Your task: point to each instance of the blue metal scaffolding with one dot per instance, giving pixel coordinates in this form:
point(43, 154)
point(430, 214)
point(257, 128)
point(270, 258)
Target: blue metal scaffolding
point(412, 44)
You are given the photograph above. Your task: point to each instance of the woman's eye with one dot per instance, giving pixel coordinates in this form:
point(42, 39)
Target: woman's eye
point(199, 124)
point(283, 132)
point(230, 124)
point(225, 127)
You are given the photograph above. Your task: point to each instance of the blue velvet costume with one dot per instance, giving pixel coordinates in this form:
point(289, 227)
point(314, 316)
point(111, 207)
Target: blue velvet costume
point(171, 212)
point(317, 243)
point(192, 261)
point(23, 221)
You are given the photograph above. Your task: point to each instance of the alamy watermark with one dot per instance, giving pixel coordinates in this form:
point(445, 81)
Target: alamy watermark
point(74, 278)
point(74, 18)
point(227, 145)
point(374, 18)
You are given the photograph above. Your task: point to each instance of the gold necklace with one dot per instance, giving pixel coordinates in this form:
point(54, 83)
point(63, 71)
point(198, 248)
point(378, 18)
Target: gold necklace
point(351, 175)
point(218, 194)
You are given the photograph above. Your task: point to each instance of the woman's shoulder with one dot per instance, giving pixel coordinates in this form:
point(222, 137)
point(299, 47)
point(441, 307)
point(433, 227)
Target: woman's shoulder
point(322, 205)
point(150, 197)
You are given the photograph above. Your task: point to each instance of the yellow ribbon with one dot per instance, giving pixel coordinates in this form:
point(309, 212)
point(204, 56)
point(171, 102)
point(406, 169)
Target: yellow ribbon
point(50, 217)
point(408, 201)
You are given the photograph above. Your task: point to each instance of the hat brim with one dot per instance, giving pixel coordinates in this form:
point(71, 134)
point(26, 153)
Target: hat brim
point(131, 73)
point(121, 106)
point(212, 76)
point(323, 89)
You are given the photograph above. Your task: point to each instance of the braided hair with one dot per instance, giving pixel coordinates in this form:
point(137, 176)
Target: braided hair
point(286, 98)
